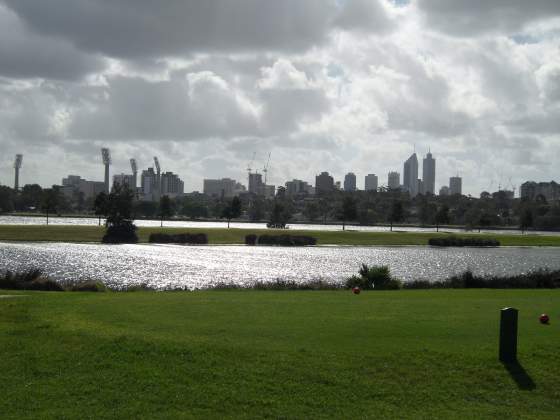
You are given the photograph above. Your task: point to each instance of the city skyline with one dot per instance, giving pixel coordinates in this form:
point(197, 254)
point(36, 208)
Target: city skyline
point(337, 85)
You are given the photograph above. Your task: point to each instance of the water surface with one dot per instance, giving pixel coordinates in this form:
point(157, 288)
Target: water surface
point(192, 267)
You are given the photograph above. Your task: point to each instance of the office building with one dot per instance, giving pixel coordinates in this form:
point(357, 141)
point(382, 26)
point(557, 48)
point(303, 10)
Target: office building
point(410, 181)
point(256, 184)
point(455, 185)
point(124, 180)
point(222, 188)
point(429, 175)
point(324, 183)
point(172, 185)
point(74, 185)
point(549, 190)
point(298, 187)
point(394, 181)
point(371, 182)
point(148, 185)
point(350, 182)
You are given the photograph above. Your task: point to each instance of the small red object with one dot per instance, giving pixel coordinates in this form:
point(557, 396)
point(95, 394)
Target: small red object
point(356, 290)
point(544, 318)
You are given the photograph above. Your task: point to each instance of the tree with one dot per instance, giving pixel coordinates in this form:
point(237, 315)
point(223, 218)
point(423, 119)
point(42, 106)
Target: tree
point(256, 209)
point(101, 205)
point(165, 208)
point(442, 216)
point(348, 210)
point(279, 215)
point(397, 213)
point(526, 221)
point(6, 199)
point(31, 196)
point(50, 200)
point(311, 210)
point(232, 210)
point(120, 228)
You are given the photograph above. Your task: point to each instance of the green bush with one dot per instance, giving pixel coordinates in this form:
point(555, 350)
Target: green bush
point(123, 232)
point(374, 278)
point(181, 238)
point(455, 241)
point(286, 240)
point(32, 279)
point(251, 239)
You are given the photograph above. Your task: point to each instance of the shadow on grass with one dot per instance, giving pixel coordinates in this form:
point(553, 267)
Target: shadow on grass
point(520, 376)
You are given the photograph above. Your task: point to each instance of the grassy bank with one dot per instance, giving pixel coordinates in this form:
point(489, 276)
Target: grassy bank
point(412, 354)
point(237, 236)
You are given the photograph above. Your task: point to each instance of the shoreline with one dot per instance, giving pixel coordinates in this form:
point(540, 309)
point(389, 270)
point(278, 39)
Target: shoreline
point(236, 236)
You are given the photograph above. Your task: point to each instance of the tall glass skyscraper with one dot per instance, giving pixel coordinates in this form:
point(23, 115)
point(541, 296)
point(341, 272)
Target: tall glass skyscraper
point(429, 174)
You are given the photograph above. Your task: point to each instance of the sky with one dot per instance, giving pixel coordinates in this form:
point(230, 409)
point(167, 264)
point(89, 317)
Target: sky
point(322, 85)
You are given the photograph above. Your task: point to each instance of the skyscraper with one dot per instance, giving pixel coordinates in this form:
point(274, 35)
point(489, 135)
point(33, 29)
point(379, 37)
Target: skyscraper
point(455, 185)
point(429, 174)
point(371, 182)
point(324, 183)
point(394, 181)
point(350, 182)
point(410, 181)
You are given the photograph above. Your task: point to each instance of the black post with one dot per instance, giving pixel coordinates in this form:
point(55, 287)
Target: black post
point(508, 335)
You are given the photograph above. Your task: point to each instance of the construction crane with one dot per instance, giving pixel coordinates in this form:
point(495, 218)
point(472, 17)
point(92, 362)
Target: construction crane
point(265, 170)
point(17, 167)
point(250, 165)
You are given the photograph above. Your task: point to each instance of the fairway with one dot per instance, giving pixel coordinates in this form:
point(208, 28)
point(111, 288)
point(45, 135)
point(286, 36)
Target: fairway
point(411, 354)
point(237, 236)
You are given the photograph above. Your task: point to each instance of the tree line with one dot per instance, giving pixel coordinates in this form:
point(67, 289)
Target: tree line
point(360, 207)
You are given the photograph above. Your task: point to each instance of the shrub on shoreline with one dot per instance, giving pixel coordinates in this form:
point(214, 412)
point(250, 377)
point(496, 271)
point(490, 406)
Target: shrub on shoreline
point(281, 240)
point(455, 241)
point(180, 238)
point(374, 278)
point(371, 278)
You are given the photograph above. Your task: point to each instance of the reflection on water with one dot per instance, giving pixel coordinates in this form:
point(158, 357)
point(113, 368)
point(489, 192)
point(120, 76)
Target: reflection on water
point(77, 221)
point(168, 266)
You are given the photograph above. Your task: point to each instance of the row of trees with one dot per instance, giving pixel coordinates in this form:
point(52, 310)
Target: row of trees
point(366, 208)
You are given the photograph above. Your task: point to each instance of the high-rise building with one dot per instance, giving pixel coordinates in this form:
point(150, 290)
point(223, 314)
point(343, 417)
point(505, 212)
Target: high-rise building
point(298, 187)
point(74, 184)
point(124, 180)
point(350, 182)
point(256, 184)
point(394, 181)
point(455, 185)
point(444, 191)
point(172, 185)
point(429, 175)
point(225, 187)
point(324, 183)
point(549, 190)
point(371, 182)
point(410, 181)
point(148, 181)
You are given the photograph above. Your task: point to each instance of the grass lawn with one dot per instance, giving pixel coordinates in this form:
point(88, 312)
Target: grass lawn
point(237, 236)
point(407, 354)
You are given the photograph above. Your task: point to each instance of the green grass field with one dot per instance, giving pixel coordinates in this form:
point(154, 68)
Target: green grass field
point(237, 236)
point(412, 354)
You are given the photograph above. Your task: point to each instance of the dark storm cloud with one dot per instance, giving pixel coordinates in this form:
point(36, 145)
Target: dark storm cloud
point(141, 28)
point(471, 17)
point(26, 55)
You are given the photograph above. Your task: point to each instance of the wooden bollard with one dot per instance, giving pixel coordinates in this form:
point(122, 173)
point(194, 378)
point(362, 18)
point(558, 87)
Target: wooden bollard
point(508, 335)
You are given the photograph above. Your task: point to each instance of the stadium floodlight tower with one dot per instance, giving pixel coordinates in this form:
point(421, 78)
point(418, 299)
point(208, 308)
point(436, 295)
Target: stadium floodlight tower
point(17, 167)
point(158, 178)
point(134, 168)
point(106, 155)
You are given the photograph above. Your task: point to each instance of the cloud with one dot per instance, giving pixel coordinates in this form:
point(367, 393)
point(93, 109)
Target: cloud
point(475, 17)
point(135, 29)
point(25, 55)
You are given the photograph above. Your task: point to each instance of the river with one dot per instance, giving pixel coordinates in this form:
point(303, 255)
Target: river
point(192, 267)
